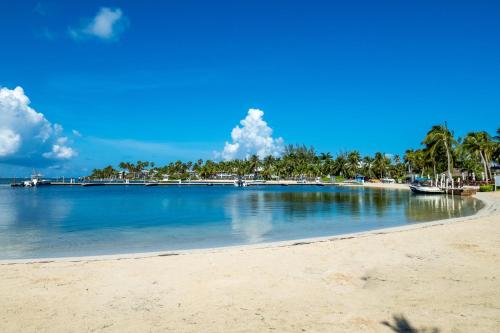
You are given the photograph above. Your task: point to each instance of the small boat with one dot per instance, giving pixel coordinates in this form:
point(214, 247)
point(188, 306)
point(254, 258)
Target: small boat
point(151, 184)
point(36, 180)
point(425, 189)
point(240, 183)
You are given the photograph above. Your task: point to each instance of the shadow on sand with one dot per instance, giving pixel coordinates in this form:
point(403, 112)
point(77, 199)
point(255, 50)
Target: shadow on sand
point(402, 325)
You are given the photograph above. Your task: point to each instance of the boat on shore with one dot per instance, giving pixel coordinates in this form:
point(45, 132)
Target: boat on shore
point(426, 189)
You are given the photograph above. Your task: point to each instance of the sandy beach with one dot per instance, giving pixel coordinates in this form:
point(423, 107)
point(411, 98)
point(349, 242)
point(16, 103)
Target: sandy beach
point(439, 276)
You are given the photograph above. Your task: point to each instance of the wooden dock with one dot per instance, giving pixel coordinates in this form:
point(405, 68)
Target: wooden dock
point(460, 191)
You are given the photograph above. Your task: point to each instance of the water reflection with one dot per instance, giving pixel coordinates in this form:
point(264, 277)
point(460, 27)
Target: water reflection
point(251, 215)
point(424, 207)
point(25, 219)
point(69, 221)
point(31, 208)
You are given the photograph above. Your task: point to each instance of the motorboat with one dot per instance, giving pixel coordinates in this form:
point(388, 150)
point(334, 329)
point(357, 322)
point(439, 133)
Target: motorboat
point(422, 188)
point(240, 183)
point(35, 181)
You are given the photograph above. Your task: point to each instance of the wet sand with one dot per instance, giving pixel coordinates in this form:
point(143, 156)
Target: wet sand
point(438, 275)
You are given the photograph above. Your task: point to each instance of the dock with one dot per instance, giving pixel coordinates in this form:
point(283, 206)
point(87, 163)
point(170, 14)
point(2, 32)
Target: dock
point(190, 183)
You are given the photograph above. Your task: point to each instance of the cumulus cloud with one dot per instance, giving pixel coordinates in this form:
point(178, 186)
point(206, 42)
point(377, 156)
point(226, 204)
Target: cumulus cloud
point(26, 136)
point(108, 24)
point(60, 152)
point(253, 137)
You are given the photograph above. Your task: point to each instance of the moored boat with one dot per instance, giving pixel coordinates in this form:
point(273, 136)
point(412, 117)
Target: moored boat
point(34, 181)
point(240, 183)
point(426, 189)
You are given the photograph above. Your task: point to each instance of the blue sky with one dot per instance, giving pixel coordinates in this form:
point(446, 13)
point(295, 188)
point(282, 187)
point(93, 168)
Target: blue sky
point(170, 79)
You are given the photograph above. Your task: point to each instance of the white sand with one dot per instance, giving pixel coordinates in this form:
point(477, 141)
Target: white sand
point(439, 275)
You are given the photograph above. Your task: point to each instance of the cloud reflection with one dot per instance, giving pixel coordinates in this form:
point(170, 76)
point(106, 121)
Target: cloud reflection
point(250, 216)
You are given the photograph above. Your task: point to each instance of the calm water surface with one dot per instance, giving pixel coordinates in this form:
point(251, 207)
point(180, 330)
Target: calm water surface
point(75, 221)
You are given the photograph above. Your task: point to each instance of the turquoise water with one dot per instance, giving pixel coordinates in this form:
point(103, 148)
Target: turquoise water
point(74, 221)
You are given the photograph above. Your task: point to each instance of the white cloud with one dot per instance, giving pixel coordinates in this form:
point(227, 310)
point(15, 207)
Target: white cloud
point(60, 152)
point(253, 137)
point(26, 136)
point(76, 133)
point(108, 24)
point(9, 142)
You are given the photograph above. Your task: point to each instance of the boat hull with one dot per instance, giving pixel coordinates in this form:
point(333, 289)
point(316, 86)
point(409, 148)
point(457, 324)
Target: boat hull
point(426, 190)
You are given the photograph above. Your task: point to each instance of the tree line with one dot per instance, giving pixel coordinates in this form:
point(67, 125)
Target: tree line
point(440, 153)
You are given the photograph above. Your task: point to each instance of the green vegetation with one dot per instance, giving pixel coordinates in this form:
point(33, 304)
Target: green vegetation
point(440, 153)
point(486, 188)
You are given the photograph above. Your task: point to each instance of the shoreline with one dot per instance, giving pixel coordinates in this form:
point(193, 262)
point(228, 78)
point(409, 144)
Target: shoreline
point(441, 275)
point(489, 204)
point(224, 182)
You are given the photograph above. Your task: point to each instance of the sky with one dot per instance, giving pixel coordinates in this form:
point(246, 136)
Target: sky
point(107, 81)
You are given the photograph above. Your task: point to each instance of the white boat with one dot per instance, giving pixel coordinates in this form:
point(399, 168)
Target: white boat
point(425, 189)
point(240, 183)
point(36, 180)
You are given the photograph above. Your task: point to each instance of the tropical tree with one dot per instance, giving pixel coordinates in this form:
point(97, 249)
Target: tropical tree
point(480, 144)
point(496, 151)
point(325, 156)
point(340, 166)
point(410, 159)
point(353, 162)
point(367, 163)
point(254, 164)
point(268, 166)
point(440, 136)
point(380, 164)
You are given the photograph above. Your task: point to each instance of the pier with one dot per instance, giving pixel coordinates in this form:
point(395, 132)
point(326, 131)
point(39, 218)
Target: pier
point(193, 183)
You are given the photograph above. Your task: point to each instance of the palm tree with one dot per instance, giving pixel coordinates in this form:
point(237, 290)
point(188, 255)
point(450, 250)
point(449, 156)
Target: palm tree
point(421, 161)
point(496, 152)
point(254, 162)
point(353, 160)
point(479, 144)
point(123, 165)
point(268, 163)
point(440, 136)
point(325, 156)
point(398, 168)
point(340, 166)
point(380, 164)
point(368, 167)
point(409, 159)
